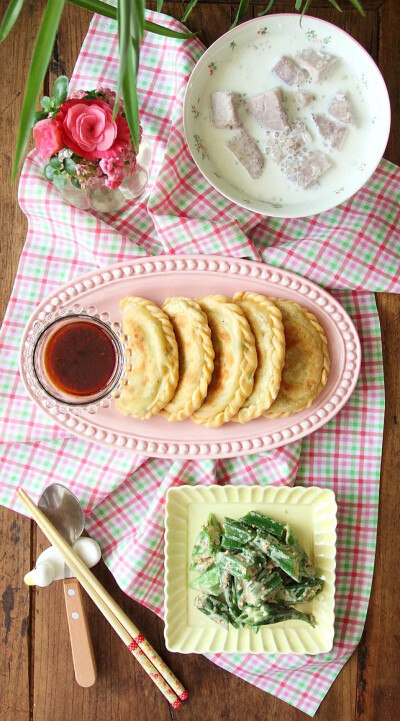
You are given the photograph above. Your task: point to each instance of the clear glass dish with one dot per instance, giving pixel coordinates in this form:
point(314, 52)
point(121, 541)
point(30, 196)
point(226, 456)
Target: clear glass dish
point(41, 381)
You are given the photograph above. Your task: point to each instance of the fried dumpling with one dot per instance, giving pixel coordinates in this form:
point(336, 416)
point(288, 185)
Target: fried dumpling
point(265, 321)
point(154, 376)
point(307, 364)
point(234, 363)
point(196, 357)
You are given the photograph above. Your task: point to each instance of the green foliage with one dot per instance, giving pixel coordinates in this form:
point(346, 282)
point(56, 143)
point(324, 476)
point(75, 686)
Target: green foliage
point(69, 166)
point(10, 17)
point(39, 63)
point(131, 26)
point(60, 90)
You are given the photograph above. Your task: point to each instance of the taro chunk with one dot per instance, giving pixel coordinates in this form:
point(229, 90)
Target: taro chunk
point(305, 168)
point(289, 72)
point(224, 109)
point(317, 63)
point(268, 110)
point(304, 99)
point(288, 142)
point(331, 132)
point(340, 109)
point(247, 152)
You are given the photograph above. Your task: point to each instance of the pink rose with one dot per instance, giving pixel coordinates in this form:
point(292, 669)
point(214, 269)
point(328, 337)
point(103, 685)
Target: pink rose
point(89, 131)
point(48, 138)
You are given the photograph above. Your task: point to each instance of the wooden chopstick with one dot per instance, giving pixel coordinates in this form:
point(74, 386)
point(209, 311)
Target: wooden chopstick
point(149, 659)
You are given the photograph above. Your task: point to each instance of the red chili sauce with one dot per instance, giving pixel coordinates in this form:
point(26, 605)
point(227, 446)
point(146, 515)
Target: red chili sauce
point(80, 358)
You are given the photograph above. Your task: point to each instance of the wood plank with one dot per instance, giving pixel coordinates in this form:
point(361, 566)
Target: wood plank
point(122, 690)
point(378, 695)
point(378, 690)
point(389, 63)
point(15, 625)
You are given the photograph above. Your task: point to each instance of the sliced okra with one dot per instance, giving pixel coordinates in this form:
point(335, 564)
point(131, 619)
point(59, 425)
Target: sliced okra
point(208, 542)
point(237, 531)
point(257, 591)
point(258, 520)
point(281, 554)
point(230, 544)
point(209, 581)
point(306, 567)
point(237, 565)
point(277, 612)
point(300, 592)
point(217, 610)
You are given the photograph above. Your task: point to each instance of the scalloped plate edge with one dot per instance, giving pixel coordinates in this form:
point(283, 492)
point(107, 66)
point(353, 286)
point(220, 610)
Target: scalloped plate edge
point(311, 510)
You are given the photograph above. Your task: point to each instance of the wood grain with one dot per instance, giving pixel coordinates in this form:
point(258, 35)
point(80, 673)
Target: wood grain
point(36, 672)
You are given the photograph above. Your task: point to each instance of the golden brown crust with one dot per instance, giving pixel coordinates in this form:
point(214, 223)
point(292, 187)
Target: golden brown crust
point(196, 357)
point(234, 364)
point(154, 377)
point(307, 362)
point(265, 321)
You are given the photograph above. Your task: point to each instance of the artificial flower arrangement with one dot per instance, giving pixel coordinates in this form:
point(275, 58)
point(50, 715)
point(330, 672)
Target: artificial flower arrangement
point(83, 138)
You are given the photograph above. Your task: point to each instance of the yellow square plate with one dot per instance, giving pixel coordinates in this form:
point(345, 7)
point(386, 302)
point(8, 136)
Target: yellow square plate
point(311, 512)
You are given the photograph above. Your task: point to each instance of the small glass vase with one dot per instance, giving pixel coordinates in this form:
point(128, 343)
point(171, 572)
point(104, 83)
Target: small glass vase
point(107, 200)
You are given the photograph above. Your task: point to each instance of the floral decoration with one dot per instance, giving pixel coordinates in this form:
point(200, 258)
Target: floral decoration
point(84, 138)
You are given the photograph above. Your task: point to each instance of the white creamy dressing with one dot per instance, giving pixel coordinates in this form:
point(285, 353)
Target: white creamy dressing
point(247, 70)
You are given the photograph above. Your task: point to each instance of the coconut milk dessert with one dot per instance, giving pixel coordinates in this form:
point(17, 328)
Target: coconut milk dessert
point(283, 119)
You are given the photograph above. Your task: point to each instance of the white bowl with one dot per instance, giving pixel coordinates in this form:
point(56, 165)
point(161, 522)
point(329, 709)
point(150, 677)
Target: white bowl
point(241, 61)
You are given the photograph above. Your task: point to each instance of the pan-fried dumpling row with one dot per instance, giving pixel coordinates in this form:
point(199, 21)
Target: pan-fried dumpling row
point(216, 359)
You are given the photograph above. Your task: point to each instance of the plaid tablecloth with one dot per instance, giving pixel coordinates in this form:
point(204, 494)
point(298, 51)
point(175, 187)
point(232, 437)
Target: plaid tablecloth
point(352, 250)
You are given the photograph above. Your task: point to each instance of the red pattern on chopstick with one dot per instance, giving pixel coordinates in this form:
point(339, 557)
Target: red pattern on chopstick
point(158, 679)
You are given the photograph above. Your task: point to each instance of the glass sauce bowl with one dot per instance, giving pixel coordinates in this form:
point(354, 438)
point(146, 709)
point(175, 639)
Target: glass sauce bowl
point(76, 359)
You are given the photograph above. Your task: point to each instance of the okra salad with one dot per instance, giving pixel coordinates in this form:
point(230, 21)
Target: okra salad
point(253, 571)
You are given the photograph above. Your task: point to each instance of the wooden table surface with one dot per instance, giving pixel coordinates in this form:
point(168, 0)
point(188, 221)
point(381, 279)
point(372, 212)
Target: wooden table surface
point(36, 675)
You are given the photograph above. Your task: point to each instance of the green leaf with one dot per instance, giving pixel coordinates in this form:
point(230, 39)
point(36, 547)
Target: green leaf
point(92, 95)
point(96, 6)
point(358, 6)
point(75, 182)
point(335, 5)
point(49, 172)
point(10, 17)
point(124, 39)
point(59, 181)
point(243, 5)
point(40, 115)
point(160, 3)
point(46, 103)
point(189, 9)
point(138, 19)
point(60, 90)
point(130, 94)
point(40, 60)
point(55, 163)
point(167, 32)
point(307, 5)
point(69, 166)
point(267, 9)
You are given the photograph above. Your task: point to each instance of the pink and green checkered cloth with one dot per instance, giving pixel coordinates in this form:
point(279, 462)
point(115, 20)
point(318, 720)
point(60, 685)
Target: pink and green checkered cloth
point(352, 250)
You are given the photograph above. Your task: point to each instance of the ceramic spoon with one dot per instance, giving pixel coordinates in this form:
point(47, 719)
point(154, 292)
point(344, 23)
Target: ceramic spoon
point(62, 508)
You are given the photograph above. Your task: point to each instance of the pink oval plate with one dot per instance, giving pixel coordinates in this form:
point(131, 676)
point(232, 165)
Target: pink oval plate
point(159, 277)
